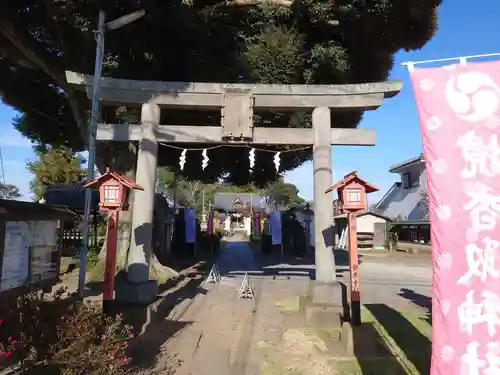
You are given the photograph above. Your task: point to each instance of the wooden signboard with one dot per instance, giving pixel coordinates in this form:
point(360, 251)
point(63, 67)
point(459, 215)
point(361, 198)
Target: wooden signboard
point(28, 255)
point(15, 265)
point(44, 245)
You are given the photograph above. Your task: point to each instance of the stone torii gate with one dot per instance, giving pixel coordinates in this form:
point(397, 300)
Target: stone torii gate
point(237, 103)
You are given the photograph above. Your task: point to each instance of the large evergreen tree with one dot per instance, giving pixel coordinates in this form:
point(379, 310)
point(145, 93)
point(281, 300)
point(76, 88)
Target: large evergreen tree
point(57, 165)
point(275, 41)
point(9, 191)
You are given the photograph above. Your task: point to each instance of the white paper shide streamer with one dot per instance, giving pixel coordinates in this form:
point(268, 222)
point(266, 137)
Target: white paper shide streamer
point(277, 161)
point(204, 161)
point(182, 159)
point(251, 158)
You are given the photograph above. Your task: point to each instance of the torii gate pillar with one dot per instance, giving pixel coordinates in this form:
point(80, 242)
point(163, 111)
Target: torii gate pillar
point(141, 244)
point(325, 292)
point(323, 212)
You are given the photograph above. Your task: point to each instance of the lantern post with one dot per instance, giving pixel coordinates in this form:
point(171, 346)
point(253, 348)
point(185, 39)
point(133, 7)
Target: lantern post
point(352, 192)
point(114, 188)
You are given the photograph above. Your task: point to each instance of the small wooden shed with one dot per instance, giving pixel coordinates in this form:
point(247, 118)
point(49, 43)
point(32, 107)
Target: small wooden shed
point(30, 245)
point(371, 230)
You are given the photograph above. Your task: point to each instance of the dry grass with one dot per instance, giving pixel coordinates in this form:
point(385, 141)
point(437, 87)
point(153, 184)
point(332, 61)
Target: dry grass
point(407, 339)
point(389, 342)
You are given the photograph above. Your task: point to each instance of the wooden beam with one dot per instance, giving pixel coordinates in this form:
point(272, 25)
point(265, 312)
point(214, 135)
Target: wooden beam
point(212, 135)
point(353, 96)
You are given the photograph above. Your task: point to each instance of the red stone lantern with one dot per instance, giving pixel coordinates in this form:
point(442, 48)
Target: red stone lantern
point(113, 191)
point(352, 192)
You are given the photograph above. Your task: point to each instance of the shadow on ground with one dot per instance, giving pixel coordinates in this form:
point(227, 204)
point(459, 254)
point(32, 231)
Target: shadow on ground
point(399, 330)
point(160, 322)
point(157, 323)
point(273, 264)
point(419, 300)
point(373, 356)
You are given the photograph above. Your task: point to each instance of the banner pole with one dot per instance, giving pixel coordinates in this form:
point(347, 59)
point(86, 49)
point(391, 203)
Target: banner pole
point(409, 64)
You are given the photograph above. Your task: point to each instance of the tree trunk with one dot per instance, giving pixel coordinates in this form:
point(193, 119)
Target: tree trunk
point(122, 157)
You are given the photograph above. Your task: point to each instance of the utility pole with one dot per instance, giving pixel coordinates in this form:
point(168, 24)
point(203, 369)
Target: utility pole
point(102, 26)
point(1, 165)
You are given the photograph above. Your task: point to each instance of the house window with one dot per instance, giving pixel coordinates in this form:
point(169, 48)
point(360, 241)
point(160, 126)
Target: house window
point(406, 180)
point(353, 196)
point(410, 180)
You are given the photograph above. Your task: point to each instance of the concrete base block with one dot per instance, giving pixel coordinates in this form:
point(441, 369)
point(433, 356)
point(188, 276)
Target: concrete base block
point(326, 303)
point(137, 293)
point(324, 316)
point(330, 294)
point(347, 339)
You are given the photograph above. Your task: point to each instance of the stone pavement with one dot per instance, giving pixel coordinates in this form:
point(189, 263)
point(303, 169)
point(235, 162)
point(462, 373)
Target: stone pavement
point(223, 332)
point(400, 281)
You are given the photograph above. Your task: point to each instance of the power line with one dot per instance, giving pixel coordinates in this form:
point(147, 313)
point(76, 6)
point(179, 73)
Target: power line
point(47, 117)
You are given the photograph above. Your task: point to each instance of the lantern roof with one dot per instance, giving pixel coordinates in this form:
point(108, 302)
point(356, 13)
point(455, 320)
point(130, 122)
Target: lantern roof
point(111, 175)
point(351, 177)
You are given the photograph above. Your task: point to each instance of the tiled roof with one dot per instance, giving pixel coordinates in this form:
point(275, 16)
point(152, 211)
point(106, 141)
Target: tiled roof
point(350, 177)
point(416, 159)
point(117, 176)
point(224, 201)
point(405, 203)
point(72, 196)
point(28, 209)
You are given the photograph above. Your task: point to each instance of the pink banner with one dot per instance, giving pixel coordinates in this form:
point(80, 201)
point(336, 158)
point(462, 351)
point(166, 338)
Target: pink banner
point(459, 108)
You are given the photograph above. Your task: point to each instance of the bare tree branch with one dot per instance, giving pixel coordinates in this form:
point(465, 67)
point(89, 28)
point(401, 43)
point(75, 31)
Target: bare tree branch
point(241, 3)
point(12, 55)
point(8, 29)
point(51, 9)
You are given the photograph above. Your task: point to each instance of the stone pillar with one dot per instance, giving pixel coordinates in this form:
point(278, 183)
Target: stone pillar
point(323, 206)
point(141, 251)
point(326, 295)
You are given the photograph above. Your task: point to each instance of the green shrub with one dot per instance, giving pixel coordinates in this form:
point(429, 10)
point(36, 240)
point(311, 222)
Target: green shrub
point(93, 256)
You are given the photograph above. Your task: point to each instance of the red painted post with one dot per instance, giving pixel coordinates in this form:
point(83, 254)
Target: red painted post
point(354, 269)
point(110, 269)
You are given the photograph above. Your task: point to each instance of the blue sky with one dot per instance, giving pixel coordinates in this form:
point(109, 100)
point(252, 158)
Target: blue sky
point(463, 30)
